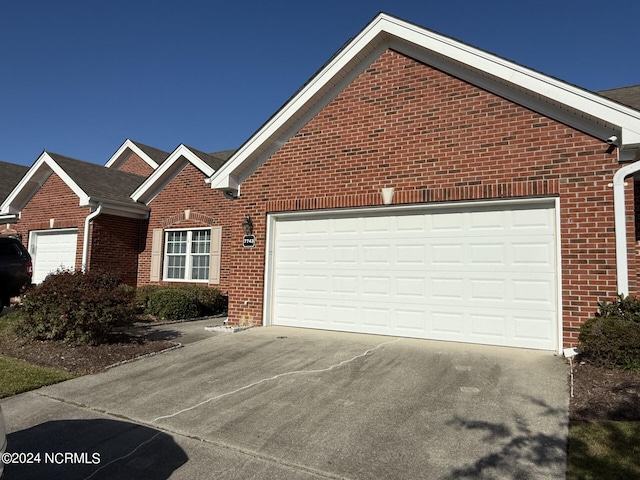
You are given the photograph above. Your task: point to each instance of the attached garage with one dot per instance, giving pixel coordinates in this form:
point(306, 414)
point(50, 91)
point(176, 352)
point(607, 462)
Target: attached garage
point(474, 272)
point(52, 250)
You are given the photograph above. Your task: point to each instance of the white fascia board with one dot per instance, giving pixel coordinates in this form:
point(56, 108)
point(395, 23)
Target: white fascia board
point(613, 113)
point(129, 145)
point(389, 31)
point(166, 172)
point(120, 209)
point(33, 180)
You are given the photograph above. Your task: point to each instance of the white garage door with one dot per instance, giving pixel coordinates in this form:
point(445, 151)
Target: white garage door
point(479, 274)
point(52, 250)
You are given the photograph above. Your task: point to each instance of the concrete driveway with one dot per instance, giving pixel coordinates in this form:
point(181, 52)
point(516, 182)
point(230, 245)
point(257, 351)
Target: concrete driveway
point(301, 404)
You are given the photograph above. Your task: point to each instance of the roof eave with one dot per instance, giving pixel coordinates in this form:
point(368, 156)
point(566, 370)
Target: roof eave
point(130, 145)
point(572, 105)
point(159, 179)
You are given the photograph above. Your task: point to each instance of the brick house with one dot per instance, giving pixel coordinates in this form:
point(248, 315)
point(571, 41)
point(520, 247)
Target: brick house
point(185, 226)
point(74, 214)
point(139, 215)
point(417, 186)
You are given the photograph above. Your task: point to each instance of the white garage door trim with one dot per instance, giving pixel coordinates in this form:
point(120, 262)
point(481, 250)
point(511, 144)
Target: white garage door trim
point(548, 203)
point(66, 259)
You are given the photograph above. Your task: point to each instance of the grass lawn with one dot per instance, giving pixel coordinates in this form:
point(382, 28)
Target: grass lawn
point(19, 376)
point(604, 450)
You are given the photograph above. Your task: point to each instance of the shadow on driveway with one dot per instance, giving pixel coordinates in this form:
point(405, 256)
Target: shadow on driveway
point(94, 449)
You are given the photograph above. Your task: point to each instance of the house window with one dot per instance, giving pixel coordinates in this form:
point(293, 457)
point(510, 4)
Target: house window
point(187, 254)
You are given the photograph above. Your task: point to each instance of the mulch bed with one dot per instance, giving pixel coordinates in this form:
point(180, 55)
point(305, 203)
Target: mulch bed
point(81, 359)
point(604, 394)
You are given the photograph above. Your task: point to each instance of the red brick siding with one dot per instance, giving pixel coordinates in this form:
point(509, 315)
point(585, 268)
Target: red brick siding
point(132, 163)
point(434, 137)
point(115, 244)
point(56, 202)
point(114, 240)
point(188, 191)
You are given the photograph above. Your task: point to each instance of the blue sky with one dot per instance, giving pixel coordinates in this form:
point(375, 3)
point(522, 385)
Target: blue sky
point(80, 77)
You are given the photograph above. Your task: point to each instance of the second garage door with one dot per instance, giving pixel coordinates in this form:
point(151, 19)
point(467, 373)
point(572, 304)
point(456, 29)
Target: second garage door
point(52, 250)
point(478, 274)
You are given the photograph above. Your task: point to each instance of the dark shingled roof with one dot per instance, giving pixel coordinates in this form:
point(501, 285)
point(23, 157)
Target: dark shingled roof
point(10, 176)
point(100, 182)
point(224, 154)
point(158, 156)
point(211, 159)
point(629, 96)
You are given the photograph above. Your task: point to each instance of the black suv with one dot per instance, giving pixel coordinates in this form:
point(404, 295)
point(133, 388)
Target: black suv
point(16, 269)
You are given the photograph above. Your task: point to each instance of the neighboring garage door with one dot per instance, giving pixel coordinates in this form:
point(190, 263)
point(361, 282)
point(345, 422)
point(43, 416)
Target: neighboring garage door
point(479, 273)
point(52, 250)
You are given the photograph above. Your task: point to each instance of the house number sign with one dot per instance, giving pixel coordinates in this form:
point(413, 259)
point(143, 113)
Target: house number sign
point(249, 241)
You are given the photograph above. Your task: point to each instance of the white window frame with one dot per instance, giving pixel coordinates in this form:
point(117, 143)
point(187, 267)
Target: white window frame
point(188, 254)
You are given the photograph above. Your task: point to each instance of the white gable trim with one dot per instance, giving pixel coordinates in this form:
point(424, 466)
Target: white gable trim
point(576, 107)
point(33, 180)
point(129, 145)
point(171, 167)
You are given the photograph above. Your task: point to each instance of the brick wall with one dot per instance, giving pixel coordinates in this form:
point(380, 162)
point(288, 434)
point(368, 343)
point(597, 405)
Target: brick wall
point(434, 137)
point(207, 207)
point(115, 243)
point(132, 163)
point(114, 240)
point(53, 206)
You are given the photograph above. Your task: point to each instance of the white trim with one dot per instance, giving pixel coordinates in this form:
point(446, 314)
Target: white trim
point(576, 107)
point(171, 167)
point(130, 145)
point(559, 319)
point(33, 180)
point(188, 254)
point(620, 225)
point(272, 218)
point(40, 172)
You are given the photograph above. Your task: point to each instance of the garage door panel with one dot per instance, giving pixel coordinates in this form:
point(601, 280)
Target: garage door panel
point(484, 276)
point(446, 254)
point(539, 255)
point(488, 328)
point(411, 322)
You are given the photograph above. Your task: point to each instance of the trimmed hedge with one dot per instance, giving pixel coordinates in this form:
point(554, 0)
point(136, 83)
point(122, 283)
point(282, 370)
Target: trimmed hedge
point(76, 307)
point(612, 338)
point(183, 302)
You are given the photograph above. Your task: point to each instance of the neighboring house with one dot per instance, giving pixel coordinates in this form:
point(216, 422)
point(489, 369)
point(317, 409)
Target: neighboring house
point(10, 175)
point(75, 214)
point(417, 186)
point(147, 215)
point(186, 235)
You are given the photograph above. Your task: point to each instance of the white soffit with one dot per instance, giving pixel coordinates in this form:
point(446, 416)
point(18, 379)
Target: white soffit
point(574, 106)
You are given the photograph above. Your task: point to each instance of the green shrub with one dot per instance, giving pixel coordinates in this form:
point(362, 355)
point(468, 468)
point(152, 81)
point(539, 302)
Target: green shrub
point(173, 304)
point(183, 302)
point(76, 307)
point(612, 338)
point(141, 298)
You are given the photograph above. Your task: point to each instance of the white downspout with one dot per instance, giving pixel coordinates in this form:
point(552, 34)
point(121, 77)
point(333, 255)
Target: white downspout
point(620, 222)
point(85, 244)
